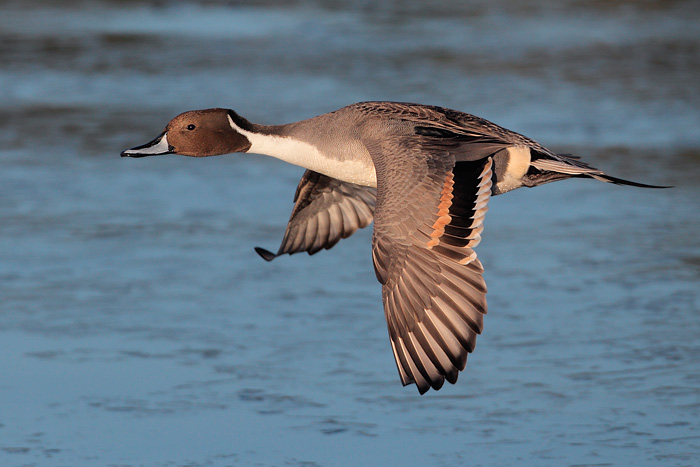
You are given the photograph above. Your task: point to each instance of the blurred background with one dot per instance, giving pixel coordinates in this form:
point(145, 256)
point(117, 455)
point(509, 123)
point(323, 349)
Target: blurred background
point(138, 326)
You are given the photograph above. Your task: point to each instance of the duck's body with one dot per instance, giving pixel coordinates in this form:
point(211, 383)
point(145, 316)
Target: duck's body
point(425, 174)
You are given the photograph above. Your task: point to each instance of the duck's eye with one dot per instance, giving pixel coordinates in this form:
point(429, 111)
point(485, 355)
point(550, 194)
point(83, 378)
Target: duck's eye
point(191, 127)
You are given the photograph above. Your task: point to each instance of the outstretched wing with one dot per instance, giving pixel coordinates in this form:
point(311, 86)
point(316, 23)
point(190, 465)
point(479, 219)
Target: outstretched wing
point(325, 210)
point(429, 217)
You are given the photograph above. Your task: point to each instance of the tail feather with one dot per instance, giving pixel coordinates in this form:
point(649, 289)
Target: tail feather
point(619, 181)
point(565, 166)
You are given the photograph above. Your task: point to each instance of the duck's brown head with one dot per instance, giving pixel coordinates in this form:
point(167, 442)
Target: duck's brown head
point(197, 133)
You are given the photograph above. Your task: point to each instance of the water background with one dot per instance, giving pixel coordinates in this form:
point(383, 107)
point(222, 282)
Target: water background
point(138, 326)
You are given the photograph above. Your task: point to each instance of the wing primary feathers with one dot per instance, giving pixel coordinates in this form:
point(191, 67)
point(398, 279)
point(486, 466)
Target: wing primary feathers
point(325, 211)
point(265, 254)
point(434, 294)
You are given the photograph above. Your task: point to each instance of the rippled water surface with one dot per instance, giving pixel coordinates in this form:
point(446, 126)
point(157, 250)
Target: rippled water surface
point(138, 326)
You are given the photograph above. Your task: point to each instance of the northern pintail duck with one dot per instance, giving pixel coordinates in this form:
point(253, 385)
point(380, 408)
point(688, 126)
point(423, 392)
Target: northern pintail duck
point(425, 174)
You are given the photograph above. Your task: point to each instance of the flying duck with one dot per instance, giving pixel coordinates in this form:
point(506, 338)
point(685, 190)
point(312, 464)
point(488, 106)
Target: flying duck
point(425, 175)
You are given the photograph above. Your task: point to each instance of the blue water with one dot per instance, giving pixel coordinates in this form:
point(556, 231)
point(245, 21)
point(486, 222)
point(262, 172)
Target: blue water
point(139, 327)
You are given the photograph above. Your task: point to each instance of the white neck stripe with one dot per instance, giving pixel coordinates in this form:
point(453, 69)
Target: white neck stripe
point(286, 148)
point(303, 154)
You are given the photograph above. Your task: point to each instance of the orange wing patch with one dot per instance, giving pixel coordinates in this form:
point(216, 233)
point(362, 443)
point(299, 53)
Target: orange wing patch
point(444, 217)
point(447, 224)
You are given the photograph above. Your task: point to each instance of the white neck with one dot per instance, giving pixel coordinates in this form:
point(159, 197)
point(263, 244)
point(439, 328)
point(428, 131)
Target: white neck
point(303, 154)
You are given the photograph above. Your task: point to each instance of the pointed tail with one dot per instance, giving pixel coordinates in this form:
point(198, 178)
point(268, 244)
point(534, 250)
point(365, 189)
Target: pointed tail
point(619, 181)
point(556, 167)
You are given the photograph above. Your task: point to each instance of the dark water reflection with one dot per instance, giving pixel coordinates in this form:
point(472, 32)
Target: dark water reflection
point(138, 327)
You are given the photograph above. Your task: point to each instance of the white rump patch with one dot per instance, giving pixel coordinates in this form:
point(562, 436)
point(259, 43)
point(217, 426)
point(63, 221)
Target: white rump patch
point(518, 164)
